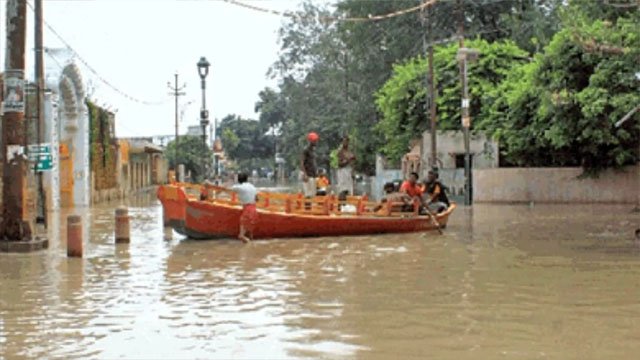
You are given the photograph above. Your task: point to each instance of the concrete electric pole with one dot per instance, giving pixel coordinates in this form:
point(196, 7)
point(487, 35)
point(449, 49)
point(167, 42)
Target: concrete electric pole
point(466, 119)
point(176, 92)
point(40, 86)
point(17, 218)
point(428, 49)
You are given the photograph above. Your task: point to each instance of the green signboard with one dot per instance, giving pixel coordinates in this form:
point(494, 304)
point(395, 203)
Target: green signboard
point(40, 155)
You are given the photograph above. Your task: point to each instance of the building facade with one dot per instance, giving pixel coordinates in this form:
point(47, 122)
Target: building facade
point(451, 153)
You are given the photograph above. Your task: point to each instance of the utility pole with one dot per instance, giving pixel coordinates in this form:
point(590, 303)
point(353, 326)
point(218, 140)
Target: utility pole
point(466, 121)
point(428, 48)
point(176, 92)
point(17, 221)
point(40, 88)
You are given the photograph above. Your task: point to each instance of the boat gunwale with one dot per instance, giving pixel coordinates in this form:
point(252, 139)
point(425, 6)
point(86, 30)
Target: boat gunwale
point(368, 216)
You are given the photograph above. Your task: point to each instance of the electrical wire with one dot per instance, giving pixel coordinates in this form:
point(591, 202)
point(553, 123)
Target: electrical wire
point(61, 67)
point(334, 18)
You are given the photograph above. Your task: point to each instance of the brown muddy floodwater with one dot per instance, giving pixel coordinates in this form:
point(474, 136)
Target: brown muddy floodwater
point(504, 282)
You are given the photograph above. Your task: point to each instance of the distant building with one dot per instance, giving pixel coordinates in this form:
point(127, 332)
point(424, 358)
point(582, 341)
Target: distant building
point(194, 130)
point(450, 155)
point(142, 163)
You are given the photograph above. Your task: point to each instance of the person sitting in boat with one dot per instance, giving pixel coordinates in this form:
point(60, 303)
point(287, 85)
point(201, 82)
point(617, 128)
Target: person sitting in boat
point(411, 187)
point(401, 201)
point(204, 191)
point(344, 207)
point(322, 183)
point(435, 193)
point(247, 194)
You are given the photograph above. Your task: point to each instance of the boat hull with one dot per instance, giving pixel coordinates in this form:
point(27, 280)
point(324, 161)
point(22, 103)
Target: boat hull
point(174, 206)
point(210, 220)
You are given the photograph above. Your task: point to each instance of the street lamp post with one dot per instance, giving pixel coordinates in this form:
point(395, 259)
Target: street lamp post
point(203, 71)
point(217, 148)
point(464, 55)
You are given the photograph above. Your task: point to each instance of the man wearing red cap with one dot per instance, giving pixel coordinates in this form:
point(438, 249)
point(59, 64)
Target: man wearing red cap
point(308, 166)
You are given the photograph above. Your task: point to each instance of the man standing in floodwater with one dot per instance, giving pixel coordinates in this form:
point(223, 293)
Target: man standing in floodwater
point(249, 215)
point(308, 165)
point(345, 167)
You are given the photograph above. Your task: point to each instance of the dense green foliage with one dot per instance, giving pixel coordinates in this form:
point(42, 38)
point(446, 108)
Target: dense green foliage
point(560, 110)
point(196, 156)
point(402, 99)
point(551, 81)
point(102, 146)
point(247, 142)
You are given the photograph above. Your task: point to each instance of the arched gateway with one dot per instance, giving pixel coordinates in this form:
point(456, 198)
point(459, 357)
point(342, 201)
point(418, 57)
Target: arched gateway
point(67, 129)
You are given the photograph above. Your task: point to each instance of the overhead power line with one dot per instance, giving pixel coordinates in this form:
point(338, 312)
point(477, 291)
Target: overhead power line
point(334, 18)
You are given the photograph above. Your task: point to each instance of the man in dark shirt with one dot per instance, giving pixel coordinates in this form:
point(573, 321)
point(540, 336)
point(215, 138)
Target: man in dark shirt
point(436, 196)
point(308, 166)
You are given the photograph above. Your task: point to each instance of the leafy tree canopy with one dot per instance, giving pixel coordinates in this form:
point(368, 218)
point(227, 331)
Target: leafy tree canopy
point(402, 99)
point(561, 110)
point(367, 78)
point(246, 140)
point(196, 156)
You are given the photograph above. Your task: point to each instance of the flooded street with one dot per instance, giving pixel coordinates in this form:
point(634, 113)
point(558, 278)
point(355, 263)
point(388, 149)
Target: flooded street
point(542, 282)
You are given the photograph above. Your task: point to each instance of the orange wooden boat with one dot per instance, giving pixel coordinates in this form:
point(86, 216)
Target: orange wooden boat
point(173, 198)
point(285, 215)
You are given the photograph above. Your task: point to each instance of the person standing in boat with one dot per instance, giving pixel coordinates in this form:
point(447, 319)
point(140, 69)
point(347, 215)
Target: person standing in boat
point(308, 165)
point(435, 193)
point(345, 167)
point(247, 196)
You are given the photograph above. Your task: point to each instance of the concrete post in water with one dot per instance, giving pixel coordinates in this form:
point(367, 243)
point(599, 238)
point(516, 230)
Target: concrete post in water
point(74, 236)
point(122, 225)
point(168, 233)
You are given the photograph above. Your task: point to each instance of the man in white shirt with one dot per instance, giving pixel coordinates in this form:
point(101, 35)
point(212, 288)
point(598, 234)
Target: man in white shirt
point(249, 217)
point(345, 167)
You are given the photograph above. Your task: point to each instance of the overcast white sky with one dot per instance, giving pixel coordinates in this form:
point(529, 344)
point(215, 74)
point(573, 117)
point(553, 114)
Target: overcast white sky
point(138, 45)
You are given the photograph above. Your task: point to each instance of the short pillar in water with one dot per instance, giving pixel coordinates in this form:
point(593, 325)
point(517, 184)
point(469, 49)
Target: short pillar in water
point(74, 236)
point(122, 225)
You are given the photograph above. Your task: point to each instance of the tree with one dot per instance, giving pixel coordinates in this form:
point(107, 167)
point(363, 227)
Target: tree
point(329, 71)
point(247, 142)
point(561, 109)
point(272, 108)
point(401, 100)
point(195, 155)
point(312, 86)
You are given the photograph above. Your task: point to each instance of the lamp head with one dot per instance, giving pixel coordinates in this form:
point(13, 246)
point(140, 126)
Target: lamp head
point(203, 67)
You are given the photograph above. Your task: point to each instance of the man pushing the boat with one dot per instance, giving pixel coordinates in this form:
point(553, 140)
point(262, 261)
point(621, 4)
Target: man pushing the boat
point(249, 217)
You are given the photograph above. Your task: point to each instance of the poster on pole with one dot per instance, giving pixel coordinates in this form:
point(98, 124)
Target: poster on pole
point(13, 91)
